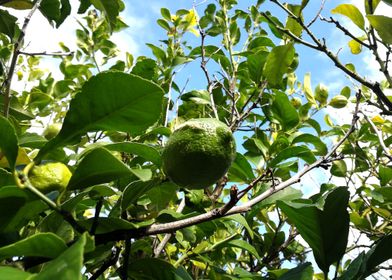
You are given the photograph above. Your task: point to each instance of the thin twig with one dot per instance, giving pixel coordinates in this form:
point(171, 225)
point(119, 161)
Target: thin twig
point(98, 208)
point(378, 133)
point(108, 263)
point(17, 46)
point(167, 236)
point(317, 15)
point(47, 53)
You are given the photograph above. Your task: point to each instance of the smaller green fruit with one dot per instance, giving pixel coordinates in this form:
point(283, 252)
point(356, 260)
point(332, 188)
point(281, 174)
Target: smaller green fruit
point(338, 101)
point(53, 176)
point(52, 130)
point(321, 94)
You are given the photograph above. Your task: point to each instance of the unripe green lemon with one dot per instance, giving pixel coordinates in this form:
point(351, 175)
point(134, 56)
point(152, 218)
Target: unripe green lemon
point(53, 176)
point(296, 102)
point(338, 101)
point(52, 130)
point(198, 153)
point(321, 94)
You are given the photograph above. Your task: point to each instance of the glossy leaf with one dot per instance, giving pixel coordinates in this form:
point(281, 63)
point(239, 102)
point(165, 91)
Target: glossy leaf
point(277, 63)
point(240, 170)
point(11, 273)
point(7, 23)
point(293, 152)
point(46, 245)
point(111, 9)
point(320, 146)
point(96, 167)
point(109, 101)
point(136, 189)
point(8, 142)
point(152, 268)
point(352, 12)
point(301, 272)
point(326, 235)
point(308, 90)
point(383, 26)
point(19, 4)
point(66, 266)
point(284, 112)
point(145, 151)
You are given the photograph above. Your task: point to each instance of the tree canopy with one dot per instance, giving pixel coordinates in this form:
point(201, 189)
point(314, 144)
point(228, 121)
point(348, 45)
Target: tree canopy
point(107, 118)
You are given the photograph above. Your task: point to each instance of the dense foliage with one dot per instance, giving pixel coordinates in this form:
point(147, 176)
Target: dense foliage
point(107, 120)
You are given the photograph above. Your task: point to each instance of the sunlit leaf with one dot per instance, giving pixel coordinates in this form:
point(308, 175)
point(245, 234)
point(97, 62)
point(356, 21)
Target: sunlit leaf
point(383, 26)
point(352, 12)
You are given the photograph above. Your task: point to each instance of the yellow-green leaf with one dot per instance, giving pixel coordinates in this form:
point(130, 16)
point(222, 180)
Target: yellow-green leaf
point(383, 26)
point(308, 90)
point(355, 47)
point(352, 13)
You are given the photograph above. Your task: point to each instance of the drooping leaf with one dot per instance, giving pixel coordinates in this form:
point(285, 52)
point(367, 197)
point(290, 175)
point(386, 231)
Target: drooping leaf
point(277, 63)
point(51, 9)
point(46, 245)
point(11, 273)
point(284, 112)
point(19, 4)
point(383, 26)
point(145, 151)
point(308, 90)
point(339, 168)
point(385, 174)
point(152, 268)
point(352, 12)
point(135, 190)
point(293, 152)
point(301, 272)
point(98, 166)
point(240, 170)
point(66, 266)
point(326, 235)
point(7, 24)
point(8, 142)
point(110, 8)
point(370, 6)
point(242, 244)
point(109, 101)
point(320, 146)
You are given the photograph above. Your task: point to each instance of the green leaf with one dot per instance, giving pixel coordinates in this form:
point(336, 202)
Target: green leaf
point(6, 178)
point(7, 24)
point(135, 190)
point(157, 269)
point(293, 152)
point(97, 166)
point(242, 221)
point(339, 168)
point(278, 62)
point(46, 245)
point(385, 174)
point(283, 111)
point(110, 8)
point(8, 142)
point(50, 9)
point(11, 273)
point(66, 266)
point(240, 170)
point(352, 12)
point(325, 231)
point(383, 26)
point(143, 150)
point(12, 198)
point(301, 272)
point(109, 101)
point(308, 90)
point(388, 2)
point(320, 146)
point(355, 47)
point(19, 4)
point(105, 224)
point(378, 254)
point(373, 5)
point(255, 63)
point(242, 244)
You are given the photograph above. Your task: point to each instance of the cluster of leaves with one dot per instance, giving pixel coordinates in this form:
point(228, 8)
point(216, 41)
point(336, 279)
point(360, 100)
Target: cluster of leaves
point(120, 216)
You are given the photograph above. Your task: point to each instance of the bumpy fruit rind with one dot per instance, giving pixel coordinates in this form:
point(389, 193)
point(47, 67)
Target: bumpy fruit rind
point(53, 176)
point(198, 153)
point(338, 101)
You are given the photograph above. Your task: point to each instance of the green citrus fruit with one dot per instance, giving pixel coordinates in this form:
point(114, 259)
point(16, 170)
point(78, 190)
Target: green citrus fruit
point(198, 153)
point(338, 101)
point(52, 130)
point(53, 176)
